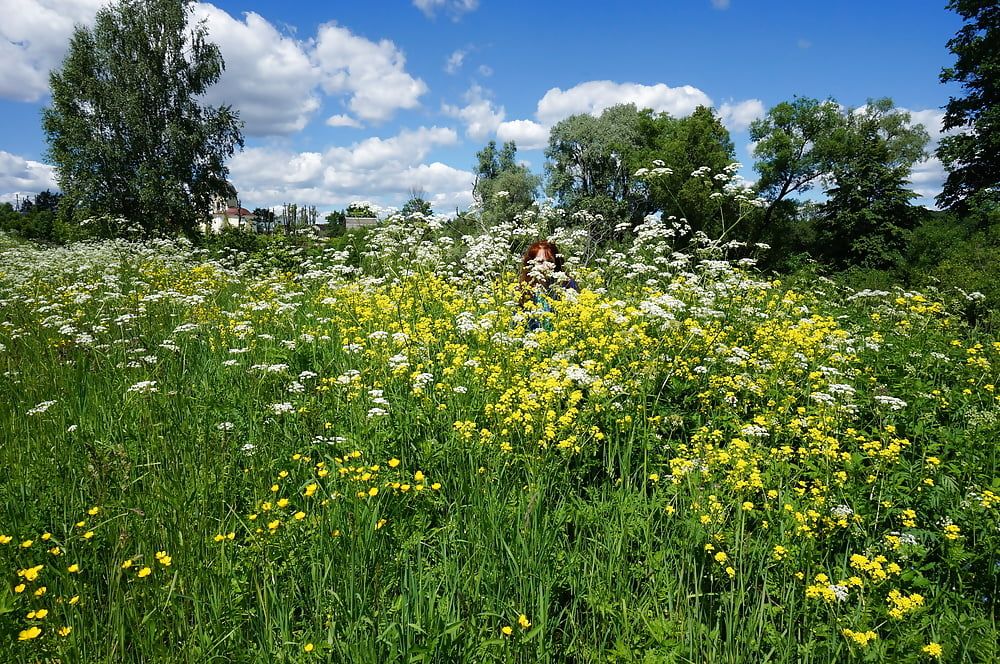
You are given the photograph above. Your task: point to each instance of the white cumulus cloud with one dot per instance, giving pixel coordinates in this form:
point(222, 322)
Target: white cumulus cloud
point(720, 4)
point(594, 96)
point(20, 176)
point(480, 115)
point(455, 61)
point(342, 121)
point(379, 169)
point(738, 116)
point(454, 7)
point(269, 77)
point(372, 74)
point(527, 134)
point(34, 36)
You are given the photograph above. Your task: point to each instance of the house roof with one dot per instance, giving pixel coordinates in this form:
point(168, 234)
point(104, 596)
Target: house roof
point(234, 212)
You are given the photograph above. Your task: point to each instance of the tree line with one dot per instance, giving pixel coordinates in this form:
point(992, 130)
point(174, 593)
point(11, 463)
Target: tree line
point(131, 139)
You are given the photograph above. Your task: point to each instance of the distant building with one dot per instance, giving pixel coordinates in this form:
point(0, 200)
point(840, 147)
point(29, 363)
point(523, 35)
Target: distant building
point(361, 222)
point(226, 213)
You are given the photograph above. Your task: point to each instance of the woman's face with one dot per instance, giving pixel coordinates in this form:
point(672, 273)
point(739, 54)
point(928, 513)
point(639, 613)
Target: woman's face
point(541, 265)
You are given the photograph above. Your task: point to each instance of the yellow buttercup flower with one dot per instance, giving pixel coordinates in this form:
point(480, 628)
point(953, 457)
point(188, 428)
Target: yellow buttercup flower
point(64, 631)
point(144, 572)
point(28, 634)
point(523, 621)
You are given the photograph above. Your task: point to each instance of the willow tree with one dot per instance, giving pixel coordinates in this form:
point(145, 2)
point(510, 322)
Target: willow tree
point(126, 129)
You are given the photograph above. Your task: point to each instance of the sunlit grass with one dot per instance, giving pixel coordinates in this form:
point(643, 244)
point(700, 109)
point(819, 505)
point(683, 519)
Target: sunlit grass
point(215, 462)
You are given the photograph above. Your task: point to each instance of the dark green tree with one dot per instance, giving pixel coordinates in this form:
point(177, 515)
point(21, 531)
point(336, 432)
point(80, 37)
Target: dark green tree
point(868, 217)
point(592, 165)
point(46, 200)
point(972, 158)
point(503, 188)
point(796, 145)
point(698, 141)
point(265, 219)
point(417, 203)
point(126, 129)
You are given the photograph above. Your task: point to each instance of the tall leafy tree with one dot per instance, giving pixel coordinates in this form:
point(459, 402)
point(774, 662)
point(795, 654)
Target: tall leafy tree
point(972, 157)
point(593, 162)
point(685, 145)
point(503, 187)
point(868, 216)
point(795, 146)
point(127, 131)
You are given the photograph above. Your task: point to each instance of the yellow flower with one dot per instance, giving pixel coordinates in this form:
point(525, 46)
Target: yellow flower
point(507, 630)
point(380, 523)
point(30, 573)
point(274, 488)
point(144, 572)
point(75, 599)
point(220, 538)
point(19, 588)
point(41, 591)
point(93, 510)
point(89, 534)
point(436, 486)
point(73, 569)
point(38, 615)
point(373, 491)
point(127, 564)
point(311, 489)
point(308, 647)
point(933, 650)
point(46, 537)
point(26, 544)
point(523, 621)
point(64, 631)
point(418, 476)
point(283, 502)
point(165, 560)
point(28, 634)
point(393, 463)
point(5, 539)
point(654, 477)
point(274, 525)
point(721, 557)
point(298, 516)
point(55, 551)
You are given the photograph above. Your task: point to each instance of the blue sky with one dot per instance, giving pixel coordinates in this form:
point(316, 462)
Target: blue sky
point(348, 101)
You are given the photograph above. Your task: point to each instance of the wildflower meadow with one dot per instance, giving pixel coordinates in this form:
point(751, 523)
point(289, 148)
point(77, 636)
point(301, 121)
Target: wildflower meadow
point(369, 455)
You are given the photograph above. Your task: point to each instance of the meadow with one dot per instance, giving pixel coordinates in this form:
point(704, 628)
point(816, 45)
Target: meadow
point(321, 455)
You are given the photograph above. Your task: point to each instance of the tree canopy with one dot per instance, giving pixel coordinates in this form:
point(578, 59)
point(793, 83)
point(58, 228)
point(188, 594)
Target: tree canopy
point(972, 157)
point(126, 129)
point(593, 163)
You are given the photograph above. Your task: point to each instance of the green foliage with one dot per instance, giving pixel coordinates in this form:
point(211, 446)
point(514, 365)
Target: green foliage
point(972, 157)
point(417, 205)
point(503, 188)
point(359, 211)
point(126, 128)
point(795, 146)
point(593, 163)
point(336, 223)
point(868, 216)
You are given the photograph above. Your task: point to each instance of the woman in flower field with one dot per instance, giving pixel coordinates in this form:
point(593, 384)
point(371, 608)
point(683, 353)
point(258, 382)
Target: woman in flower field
point(542, 267)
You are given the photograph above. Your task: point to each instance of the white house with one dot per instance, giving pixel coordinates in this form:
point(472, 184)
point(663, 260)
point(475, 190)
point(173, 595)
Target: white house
point(227, 213)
